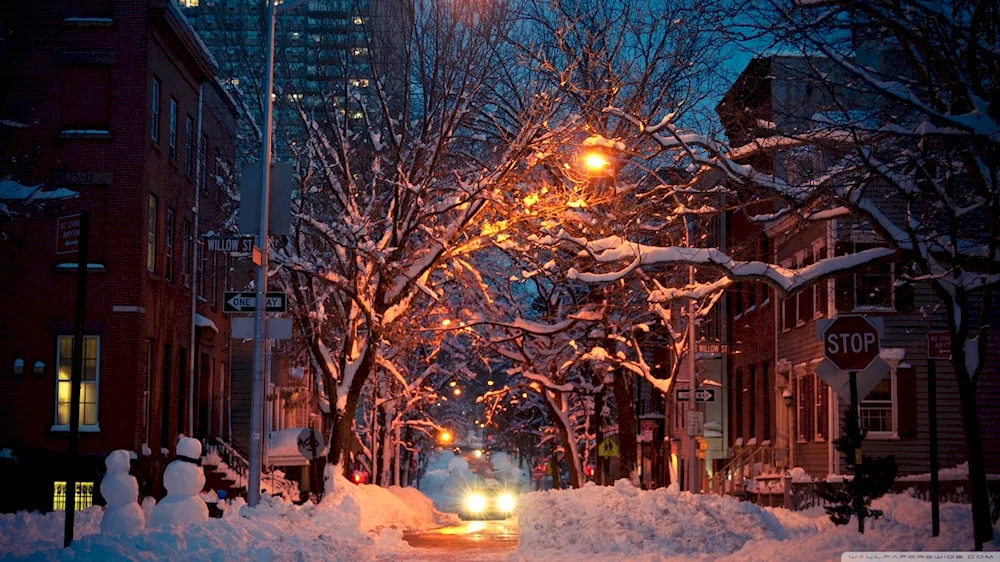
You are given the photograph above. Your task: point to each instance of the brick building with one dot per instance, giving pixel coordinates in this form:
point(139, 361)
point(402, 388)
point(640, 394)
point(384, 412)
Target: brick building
point(119, 102)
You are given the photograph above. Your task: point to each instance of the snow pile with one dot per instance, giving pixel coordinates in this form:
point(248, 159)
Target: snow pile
point(663, 526)
point(505, 469)
point(382, 508)
point(24, 533)
point(562, 524)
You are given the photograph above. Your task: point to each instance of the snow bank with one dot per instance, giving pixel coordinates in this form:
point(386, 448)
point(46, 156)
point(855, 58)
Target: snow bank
point(23, 533)
point(354, 523)
point(384, 508)
point(622, 523)
point(960, 472)
point(562, 524)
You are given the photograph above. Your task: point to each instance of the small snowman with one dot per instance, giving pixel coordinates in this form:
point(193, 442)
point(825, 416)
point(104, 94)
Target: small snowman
point(121, 491)
point(184, 479)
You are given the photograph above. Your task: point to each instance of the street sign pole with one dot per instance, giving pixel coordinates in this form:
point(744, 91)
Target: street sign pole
point(260, 284)
point(932, 420)
point(76, 376)
point(856, 429)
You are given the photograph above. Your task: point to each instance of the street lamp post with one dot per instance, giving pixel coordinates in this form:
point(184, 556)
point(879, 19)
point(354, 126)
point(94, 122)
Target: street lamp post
point(260, 280)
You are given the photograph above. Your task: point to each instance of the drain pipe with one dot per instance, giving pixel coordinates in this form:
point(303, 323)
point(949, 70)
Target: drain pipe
point(196, 238)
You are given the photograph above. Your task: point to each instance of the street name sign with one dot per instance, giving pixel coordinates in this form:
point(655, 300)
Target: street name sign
point(700, 395)
point(713, 347)
point(246, 301)
point(230, 244)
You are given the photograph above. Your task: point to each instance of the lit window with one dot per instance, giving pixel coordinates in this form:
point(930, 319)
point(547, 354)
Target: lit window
point(294, 97)
point(235, 81)
point(89, 382)
point(359, 83)
point(151, 234)
point(358, 20)
point(83, 498)
point(360, 51)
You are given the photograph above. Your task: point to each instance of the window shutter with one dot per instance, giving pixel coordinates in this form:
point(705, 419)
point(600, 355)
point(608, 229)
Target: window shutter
point(844, 284)
point(906, 401)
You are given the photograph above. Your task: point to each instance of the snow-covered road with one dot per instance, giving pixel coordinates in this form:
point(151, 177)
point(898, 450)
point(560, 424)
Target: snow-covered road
point(478, 541)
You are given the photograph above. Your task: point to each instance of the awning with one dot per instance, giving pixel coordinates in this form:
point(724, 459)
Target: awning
point(203, 322)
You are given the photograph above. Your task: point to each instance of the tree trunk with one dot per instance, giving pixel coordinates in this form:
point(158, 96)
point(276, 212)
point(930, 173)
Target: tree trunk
point(628, 449)
point(572, 460)
point(340, 441)
point(556, 469)
point(378, 463)
point(597, 422)
point(978, 489)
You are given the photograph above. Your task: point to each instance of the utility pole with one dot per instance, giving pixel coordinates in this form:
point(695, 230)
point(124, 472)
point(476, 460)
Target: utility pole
point(76, 375)
point(260, 282)
point(693, 472)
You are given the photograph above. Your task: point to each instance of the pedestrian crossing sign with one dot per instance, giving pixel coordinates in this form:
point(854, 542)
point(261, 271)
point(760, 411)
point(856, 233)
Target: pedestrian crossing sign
point(608, 448)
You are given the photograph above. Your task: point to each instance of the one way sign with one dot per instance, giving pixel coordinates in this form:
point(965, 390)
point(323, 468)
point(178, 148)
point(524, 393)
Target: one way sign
point(236, 301)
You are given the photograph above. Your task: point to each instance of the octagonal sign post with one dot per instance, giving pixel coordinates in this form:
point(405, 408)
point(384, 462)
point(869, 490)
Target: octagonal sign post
point(851, 343)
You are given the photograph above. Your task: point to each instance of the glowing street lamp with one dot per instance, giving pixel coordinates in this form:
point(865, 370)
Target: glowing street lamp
point(445, 437)
point(595, 161)
point(458, 392)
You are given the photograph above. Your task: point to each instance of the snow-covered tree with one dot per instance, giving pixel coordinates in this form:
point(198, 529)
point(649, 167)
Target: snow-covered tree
point(394, 191)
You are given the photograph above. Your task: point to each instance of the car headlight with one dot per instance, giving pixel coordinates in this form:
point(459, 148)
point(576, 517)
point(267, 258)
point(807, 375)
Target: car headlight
point(476, 503)
point(505, 503)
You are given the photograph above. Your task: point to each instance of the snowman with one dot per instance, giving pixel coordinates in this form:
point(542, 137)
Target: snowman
point(184, 479)
point(121, 491)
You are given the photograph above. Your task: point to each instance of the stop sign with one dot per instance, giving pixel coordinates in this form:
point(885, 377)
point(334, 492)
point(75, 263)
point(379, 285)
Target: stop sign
point(851, 343)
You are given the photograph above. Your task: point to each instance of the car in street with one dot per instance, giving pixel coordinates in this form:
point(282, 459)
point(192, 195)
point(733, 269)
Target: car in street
point(489, 501)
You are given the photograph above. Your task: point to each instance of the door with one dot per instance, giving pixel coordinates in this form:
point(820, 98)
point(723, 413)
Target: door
point(165, 431)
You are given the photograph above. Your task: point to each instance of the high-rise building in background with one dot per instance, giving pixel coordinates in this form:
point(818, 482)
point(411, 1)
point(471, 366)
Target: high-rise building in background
point(322, 57)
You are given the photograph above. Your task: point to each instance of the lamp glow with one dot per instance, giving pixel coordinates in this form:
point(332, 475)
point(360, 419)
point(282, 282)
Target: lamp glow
point(595, 161)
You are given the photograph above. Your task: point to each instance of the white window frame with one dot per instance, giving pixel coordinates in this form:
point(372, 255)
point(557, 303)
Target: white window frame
point(894, 414)
point(84, 428)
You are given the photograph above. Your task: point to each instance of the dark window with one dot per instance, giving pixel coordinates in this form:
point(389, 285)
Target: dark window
point(186, 255)
point(151, 233)
point(155, 113)
point(766, 403)
point(86, 99)
point(805, 407)
point(172, 138)
point(169, 235)
point(189, 146)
